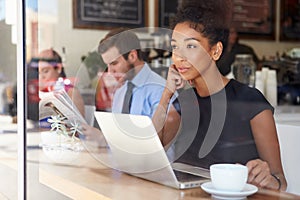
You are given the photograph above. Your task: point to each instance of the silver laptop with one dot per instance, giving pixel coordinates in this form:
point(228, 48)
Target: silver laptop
point(135, 148)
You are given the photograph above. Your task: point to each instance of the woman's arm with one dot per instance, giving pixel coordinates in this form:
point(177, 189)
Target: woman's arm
point(265, 172)
point(166, 119)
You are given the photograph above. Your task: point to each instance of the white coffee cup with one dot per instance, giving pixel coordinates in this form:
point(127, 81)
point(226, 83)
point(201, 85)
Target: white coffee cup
point(229, 177)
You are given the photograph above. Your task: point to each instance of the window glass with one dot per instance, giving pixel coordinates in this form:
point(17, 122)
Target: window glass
point(8, 108)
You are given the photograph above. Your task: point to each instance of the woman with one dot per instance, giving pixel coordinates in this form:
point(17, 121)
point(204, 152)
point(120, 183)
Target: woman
point(222, 120)
point(52, 75)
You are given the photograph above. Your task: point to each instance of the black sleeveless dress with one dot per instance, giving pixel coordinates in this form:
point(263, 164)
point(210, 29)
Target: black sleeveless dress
point(216, 129)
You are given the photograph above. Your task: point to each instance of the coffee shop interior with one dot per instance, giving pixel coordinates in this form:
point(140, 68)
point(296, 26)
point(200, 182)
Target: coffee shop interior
point(37, 163)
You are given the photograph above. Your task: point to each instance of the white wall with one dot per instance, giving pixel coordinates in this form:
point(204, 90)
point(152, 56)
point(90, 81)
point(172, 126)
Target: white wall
point(77, 42)
point(8, 53)
point(269, 48)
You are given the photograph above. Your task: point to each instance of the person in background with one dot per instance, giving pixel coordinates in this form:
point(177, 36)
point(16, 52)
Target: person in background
point(105, 88)
point(234, 48)
point(121, 52)
point(222, 120)
point(51, 74)
point(11, 95)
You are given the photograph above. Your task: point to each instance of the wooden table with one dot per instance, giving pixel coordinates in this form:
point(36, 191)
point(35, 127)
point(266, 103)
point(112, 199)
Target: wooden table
point(87, 178)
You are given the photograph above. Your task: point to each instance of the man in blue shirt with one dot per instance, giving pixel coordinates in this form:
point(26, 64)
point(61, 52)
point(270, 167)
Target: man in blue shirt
point(121, 52)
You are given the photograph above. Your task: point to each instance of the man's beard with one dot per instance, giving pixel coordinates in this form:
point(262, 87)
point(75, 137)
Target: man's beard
point(131, 72)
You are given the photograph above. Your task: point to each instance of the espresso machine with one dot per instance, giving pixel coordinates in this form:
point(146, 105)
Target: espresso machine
point(288, 77)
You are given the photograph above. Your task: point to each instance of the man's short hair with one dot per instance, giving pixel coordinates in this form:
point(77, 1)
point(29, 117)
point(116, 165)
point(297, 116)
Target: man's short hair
point(123, 39)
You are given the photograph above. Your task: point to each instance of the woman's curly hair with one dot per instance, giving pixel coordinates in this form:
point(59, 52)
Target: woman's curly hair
point(210, 18)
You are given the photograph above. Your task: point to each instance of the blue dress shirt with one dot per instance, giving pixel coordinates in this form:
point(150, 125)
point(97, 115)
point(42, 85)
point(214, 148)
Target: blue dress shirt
point(146, 95)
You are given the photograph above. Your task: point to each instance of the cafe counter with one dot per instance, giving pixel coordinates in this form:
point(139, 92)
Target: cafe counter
point(287, 115)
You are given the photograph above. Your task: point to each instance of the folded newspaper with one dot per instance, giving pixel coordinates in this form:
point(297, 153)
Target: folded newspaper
point(58, 102)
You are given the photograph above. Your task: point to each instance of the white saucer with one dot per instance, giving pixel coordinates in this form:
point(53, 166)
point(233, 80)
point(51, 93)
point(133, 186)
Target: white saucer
point(221, 194)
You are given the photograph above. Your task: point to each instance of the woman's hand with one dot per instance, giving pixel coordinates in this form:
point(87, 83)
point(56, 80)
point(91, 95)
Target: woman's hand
point(259, 174)
point(174, 80)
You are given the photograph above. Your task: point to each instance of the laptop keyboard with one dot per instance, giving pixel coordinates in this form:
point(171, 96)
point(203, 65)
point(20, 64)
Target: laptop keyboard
point(183, 176)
